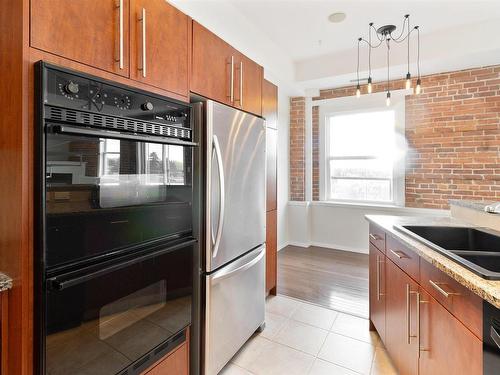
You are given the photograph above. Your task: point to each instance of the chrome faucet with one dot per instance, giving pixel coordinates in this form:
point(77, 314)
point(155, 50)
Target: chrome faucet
point(493, 208)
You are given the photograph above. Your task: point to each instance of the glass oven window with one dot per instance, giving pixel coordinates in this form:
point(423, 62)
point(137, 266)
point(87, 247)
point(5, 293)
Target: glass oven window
point(105, 195)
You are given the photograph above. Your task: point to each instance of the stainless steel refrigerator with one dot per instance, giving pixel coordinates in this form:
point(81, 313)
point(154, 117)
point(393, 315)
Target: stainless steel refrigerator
point(233, 270)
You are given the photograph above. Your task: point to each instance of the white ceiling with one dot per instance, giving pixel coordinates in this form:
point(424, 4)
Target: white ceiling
point(284, 35)
point(299, 25)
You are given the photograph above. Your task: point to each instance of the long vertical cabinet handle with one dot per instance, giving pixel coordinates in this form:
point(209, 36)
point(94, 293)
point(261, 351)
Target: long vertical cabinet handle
point(241, 84)
point(142, 19)
point(222, 203)
point(231, 81)
point(120, 32)
point(408, 314)
point(379, 274)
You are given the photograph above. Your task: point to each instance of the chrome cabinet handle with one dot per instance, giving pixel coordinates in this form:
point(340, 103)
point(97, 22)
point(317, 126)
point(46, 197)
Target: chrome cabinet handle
point(218, 156)
point(231, 81)
point(408, 313)
point(374, 237)
point(120, 40)
point(241, 83)
point(399, 254)
point(142, 19)
point(379, 262)
point(441, 290)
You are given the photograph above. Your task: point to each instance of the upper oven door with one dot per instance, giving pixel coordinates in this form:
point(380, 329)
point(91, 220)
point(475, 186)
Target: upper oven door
point(108, 196)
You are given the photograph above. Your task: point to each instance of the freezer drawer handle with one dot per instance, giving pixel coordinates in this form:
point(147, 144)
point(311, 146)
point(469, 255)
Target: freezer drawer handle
point(225, 274)
point(217, 237)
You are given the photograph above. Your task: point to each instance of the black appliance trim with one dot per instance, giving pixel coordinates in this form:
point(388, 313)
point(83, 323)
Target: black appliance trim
point(76, 130)
point(70, 279)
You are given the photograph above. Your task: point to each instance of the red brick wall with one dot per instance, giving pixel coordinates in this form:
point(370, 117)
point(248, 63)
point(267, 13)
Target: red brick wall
point(297, 151)
point(453, 132)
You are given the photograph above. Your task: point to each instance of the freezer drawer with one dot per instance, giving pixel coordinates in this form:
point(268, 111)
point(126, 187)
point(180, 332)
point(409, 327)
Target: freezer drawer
point(235, 303)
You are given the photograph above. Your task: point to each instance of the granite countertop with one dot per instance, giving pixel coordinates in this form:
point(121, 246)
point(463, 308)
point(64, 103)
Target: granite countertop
point(474, 205)
point(488, 290)
point(5, 282)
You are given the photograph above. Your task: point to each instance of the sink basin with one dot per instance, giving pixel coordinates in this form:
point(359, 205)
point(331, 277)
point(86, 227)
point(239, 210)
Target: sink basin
point(477, 249)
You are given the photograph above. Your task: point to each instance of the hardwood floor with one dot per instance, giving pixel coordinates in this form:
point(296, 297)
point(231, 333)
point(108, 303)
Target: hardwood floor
point(331, 278)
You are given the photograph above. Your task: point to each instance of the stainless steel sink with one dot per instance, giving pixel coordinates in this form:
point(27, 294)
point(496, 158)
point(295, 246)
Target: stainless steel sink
point(477, 249)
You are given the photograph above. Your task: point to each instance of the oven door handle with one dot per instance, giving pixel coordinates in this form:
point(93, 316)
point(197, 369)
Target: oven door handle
point(71, 279)
point(75, 130)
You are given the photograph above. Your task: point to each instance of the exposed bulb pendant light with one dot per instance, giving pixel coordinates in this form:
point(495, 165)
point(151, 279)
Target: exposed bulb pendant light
point(384, 34)
point(358, 88)
point(418, 89)
point(388, 99)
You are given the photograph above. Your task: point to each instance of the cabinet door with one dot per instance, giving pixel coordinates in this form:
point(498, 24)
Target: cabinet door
point(271, 159)
point(401, 338)
point(213, 64)
point(447, 346)
point(159, 44)
point(90, 32)
point(270, 104)
point(271, 252)
point(377, 290)
point(248, 85)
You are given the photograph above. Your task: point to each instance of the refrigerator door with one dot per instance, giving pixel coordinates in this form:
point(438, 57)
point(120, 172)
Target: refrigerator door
point(235, 308)
point(236, 184)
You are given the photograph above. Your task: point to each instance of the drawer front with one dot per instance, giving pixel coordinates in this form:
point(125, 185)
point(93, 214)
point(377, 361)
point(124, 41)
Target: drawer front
point(403, 257)
point(457, 299)
point(377, 237)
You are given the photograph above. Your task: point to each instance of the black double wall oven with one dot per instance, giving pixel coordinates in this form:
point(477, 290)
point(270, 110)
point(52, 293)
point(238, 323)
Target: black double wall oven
point(115, 244)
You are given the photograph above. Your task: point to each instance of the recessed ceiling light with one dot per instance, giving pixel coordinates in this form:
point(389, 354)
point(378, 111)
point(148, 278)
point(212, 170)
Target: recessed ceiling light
point(337, 17)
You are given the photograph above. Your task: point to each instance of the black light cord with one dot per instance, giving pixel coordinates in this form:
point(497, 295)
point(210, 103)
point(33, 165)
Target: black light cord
point(418, 50)
point(359, 41)
point(388, 64)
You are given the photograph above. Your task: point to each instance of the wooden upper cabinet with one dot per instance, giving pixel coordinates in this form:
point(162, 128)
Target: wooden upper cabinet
point(248, 84)
point(159, 45)
point(86, 31)
point(447, 346)
point(270, 104)
point(272, 170)
point(401, 327)
point(221, 73)
point(212, 73)
point(377, 290)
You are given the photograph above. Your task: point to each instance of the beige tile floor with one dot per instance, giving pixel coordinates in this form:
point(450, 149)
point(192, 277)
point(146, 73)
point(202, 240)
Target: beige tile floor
point(305, 339)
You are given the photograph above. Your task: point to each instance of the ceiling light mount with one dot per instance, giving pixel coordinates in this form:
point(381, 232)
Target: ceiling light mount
point(384, 36)
point(337, 17)
point(386, 30)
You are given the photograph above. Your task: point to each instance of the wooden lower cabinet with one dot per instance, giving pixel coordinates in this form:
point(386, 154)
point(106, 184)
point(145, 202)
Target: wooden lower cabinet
point(447, 346)
point(401, 338)
point(377, 290)
point(174, 363)
point(422, 334)
point(271, 252)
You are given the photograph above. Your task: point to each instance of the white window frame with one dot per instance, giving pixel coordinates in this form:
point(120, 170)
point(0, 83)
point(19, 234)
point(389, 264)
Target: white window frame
point(351, 105)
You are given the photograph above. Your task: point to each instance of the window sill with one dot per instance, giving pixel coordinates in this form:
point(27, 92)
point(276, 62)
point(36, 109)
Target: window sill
point(356, 204)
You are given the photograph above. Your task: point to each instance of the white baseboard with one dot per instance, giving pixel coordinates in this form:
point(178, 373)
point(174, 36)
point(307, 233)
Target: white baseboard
point(328, 246)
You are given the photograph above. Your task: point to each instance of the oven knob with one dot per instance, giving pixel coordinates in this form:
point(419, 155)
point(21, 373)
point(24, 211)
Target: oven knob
point(148, 106)
point(72, 88)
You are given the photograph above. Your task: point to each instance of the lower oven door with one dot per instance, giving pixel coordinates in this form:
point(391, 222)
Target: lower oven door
point(118, 318)
point(235, 308)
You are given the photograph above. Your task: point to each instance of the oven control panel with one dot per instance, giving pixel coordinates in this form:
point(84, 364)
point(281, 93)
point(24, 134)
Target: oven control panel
point(84, 93)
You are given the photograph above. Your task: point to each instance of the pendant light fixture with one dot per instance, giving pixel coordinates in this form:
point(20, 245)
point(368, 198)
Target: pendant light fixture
point(385, 34)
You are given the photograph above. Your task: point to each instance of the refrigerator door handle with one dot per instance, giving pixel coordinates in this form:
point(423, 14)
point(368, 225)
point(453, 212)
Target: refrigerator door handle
point(223, 274)
point(218, 156)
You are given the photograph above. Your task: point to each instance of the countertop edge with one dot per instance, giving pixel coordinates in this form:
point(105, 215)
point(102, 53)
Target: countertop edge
point(5, 282)
point(488, 290)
